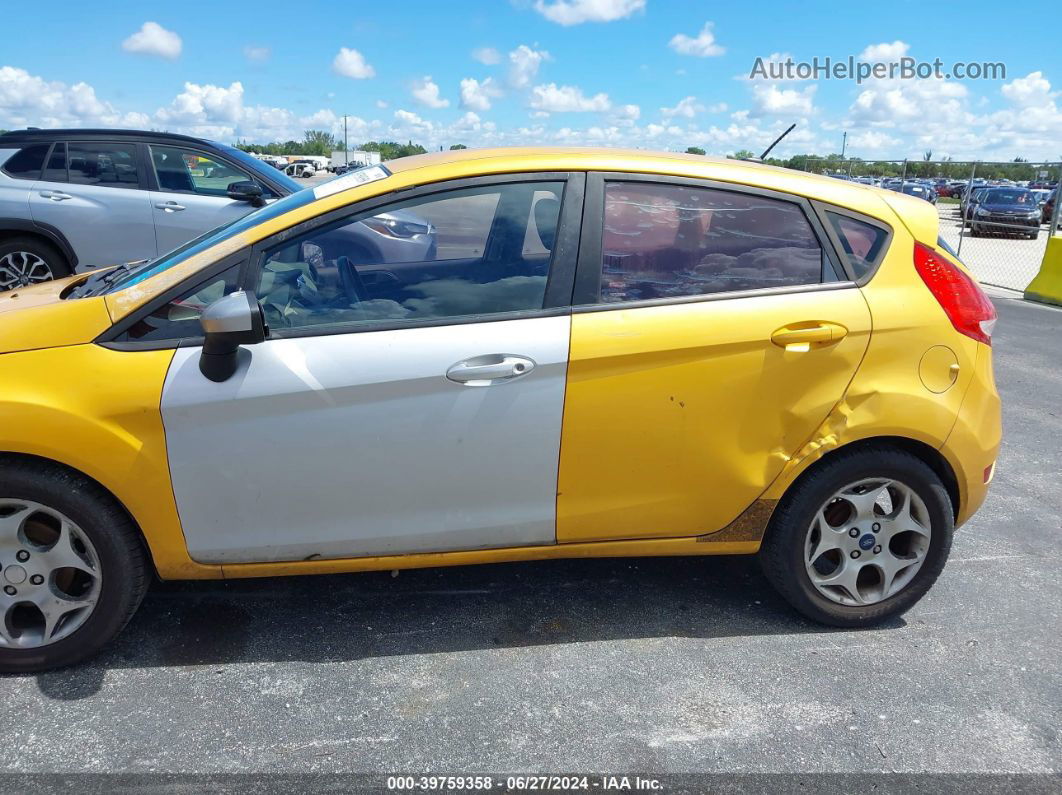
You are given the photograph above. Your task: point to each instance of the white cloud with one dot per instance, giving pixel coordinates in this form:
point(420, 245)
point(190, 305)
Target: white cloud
point(382, 103)
point(212, 111)
point(203, 104)
point(893, 101)
point(477, 95)
point(426, 92)
point(628, 112)
point(469, 122)
point(702, 45)
point(1030, 91)
point(768, 99)
point(718, 107)
point(256, 54)
point(153, 39)
point(884, 52)
point(687, 108)
point(488, 56)
point(566, 99)
point(575, 12)
point(873, 141)
point(352, 64)
point(29, 100)
point(524, 63)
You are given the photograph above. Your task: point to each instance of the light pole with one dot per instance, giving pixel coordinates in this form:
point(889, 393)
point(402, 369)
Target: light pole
point(844, 143)
point(346, 148)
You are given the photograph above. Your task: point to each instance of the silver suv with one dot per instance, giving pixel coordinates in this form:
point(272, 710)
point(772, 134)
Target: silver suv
point(71, 200)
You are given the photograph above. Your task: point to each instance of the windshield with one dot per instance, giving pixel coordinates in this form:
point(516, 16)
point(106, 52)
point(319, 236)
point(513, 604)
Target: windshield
point(208, 239)
point(1010, 197)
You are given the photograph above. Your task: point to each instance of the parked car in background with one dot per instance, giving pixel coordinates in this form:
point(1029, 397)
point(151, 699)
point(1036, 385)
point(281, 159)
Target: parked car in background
point(1042, 195)
point(202, 415)
point(71, 200)
point(917, 189)
point(302, 169)
point(1047, 209)
point(970, 200)
point(1006, 211)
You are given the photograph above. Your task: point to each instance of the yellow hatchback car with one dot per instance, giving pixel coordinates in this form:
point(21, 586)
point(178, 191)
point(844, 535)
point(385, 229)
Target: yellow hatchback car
point(500, 355)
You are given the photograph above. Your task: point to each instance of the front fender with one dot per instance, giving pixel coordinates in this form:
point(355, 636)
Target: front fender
point(96, 410)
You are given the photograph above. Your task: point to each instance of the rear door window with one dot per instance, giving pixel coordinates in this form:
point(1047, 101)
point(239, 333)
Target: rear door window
point(671, 241)
point(106, 165)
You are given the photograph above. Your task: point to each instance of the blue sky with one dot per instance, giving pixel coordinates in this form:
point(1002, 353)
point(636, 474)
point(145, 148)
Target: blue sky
point(662, 74)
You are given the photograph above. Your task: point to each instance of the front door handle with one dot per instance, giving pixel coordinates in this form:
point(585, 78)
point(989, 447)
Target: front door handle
point(170, 207)
point(492, 368)
point(808, 335)
point(55, 195)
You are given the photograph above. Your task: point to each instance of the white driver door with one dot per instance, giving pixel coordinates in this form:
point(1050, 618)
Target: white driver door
point(359, 444)
point(336, 440)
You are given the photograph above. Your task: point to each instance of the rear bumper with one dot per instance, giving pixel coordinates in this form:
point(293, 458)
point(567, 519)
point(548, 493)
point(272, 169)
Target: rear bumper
point(973, 444)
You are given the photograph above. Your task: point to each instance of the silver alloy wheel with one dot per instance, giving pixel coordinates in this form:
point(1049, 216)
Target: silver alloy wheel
point(49, 575)
point(23, 268)
point(867, 542)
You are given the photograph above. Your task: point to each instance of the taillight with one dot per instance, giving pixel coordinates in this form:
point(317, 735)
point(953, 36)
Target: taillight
point(965, 304)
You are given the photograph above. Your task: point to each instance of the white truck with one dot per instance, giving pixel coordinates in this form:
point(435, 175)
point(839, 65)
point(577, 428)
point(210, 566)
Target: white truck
point(355, 158)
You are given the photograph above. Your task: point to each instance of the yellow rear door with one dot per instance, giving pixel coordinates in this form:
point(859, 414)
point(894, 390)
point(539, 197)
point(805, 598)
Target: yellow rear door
point(714, 330)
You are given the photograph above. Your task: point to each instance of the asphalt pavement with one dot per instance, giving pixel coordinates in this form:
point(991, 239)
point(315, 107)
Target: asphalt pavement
point(656, 665)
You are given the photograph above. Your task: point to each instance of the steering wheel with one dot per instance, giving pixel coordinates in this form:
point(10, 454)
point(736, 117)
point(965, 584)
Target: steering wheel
point(351, 280)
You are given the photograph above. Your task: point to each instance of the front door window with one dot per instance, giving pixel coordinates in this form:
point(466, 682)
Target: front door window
point(467, 252)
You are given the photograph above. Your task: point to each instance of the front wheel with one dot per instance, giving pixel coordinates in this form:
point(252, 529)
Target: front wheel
point(72, 568)
point(25, 261)
point(860, 538)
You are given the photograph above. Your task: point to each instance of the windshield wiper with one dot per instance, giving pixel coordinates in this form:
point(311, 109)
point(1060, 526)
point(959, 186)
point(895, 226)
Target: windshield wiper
point(96, 283)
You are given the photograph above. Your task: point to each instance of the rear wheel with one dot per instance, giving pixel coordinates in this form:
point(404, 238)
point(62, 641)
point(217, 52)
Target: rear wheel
point(72, 569)
point(861, 538)
point(25, 261)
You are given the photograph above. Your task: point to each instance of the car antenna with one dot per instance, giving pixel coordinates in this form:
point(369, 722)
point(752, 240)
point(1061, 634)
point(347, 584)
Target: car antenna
point(767, 151)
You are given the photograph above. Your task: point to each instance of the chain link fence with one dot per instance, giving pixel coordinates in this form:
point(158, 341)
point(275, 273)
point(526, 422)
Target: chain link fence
point(995, 216)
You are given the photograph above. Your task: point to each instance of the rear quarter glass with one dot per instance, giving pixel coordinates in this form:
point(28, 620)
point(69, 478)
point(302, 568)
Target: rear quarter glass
point(26, 162)
point(863, 243)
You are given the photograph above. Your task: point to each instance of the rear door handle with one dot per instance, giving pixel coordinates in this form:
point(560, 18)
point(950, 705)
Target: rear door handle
point(489, 369)
point(808, 335)
point(170, 207)
point(55, 195)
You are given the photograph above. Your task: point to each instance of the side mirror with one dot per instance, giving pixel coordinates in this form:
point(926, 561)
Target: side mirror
point(232, 321)
point(246, 191)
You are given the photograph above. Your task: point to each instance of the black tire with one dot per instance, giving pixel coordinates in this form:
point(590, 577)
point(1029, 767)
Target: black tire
point(123, 563)
point(53, 258)
point(782, 553)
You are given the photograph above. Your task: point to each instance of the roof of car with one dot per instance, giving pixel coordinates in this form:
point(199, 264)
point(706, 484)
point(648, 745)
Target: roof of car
point(89, 132)
point(545, 158)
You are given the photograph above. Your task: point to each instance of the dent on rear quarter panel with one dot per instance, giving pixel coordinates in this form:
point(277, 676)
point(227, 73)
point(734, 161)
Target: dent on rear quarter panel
point(887, 396)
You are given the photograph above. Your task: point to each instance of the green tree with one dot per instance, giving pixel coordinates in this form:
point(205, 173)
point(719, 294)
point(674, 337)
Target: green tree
point(742, 154)
point(390, 150)
point(317, 142)
point(695, 150)
point(458, 146)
